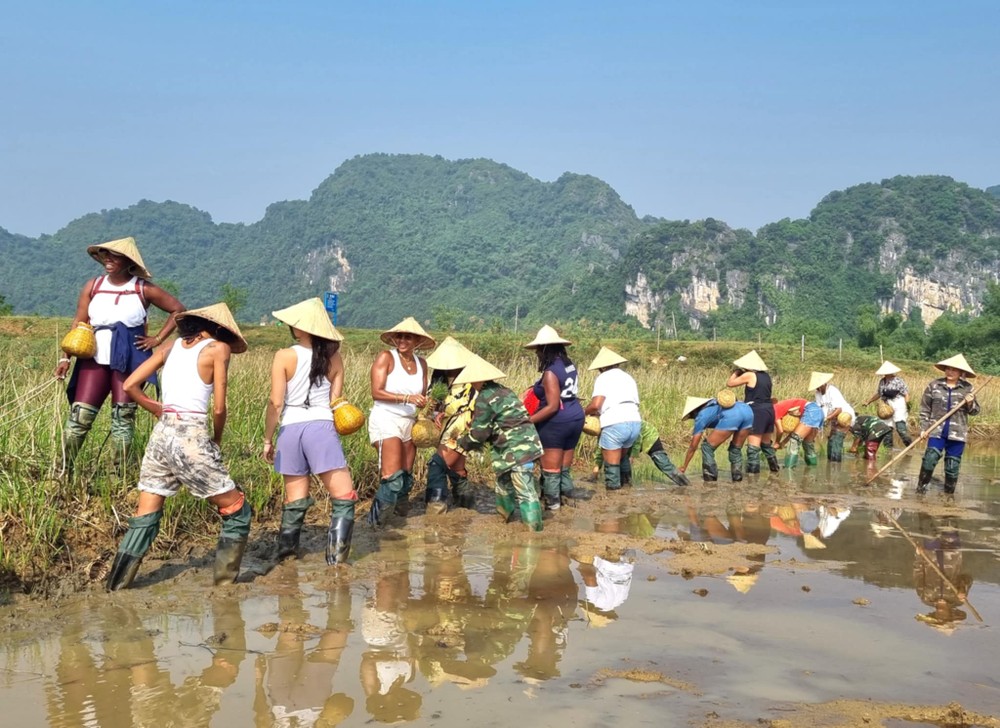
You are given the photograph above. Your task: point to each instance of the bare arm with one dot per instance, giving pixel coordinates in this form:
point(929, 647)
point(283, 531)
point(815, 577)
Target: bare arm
point(552, 401)
point(736, 379)
point(220, 353)
point(380, 373)
point(133, 384)
point(594, 406)
point(695, 442)
point(166, 303)
point(81, 315)
point(276, 400)
point(336, 376)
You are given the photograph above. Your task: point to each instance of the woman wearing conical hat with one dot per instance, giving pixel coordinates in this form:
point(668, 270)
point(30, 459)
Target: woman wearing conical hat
point(447, 464)
point(305, 379)
point(948, 438)
point(892, 393)
point(728, 420)
point(836, 410)
point(751, 373)
point(616, 400)
point(115, 304)
point(798, 422)
point(559, 417)
point(399, 389)
point(180, 450)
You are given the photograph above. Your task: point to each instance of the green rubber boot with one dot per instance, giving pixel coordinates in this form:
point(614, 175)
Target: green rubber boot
point(792, 455)
point(834, 448)
point(626, 471)
point(809, 453)
point(436, 495)
point(551, 488)
point(951, 467)
point(709, 468)
point(666, 466)
point(612, 477)
point(568, 491)
point(506, 505)
point(81, 419)
point(384, 502)
point(736, 463)
point(904, 433)
point(293, 516)
point(232, 543)
point(122, 431)
point(771, 455)
point(338, 537)
point(141, 533)
point(403, 499)
point(753, 459)
point(531, 515)
point(931, 457)
point(463, 494)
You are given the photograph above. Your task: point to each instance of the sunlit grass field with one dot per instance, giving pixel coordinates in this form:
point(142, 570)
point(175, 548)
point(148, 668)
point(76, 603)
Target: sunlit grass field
point(48, 521)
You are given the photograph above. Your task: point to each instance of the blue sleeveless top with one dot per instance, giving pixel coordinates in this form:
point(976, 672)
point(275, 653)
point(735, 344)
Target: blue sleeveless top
point(571, 408)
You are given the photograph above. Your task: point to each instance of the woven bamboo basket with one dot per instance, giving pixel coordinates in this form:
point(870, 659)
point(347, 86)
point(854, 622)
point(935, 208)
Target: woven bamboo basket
point(347, 418)
point(592, 425)
point(80, 341)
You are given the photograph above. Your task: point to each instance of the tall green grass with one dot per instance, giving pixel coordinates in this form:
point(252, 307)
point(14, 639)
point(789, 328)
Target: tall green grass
point(48, 522)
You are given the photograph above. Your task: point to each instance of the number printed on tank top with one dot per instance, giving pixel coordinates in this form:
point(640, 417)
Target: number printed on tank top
point(570, 388)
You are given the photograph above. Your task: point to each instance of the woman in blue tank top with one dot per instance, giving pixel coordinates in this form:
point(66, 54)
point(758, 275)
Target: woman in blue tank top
point(559, 417)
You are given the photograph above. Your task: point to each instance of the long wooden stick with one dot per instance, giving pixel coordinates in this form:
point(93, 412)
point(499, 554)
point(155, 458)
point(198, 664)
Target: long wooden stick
point(945, 579)
point(926, 432)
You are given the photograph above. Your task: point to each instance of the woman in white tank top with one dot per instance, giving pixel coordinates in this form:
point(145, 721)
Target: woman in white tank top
point(399, 387)
point(305, 379)
point(115, 304)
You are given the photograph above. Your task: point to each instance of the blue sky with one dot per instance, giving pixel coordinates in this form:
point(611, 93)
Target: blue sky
point(743, 111)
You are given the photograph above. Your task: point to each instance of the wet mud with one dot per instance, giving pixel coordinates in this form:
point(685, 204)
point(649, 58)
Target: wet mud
point(798, 599)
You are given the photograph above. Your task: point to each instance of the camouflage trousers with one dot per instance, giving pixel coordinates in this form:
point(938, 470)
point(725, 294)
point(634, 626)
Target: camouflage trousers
point(180, 452)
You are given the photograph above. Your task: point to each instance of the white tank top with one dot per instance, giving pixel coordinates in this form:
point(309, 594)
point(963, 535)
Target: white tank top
point(400, 382)
point(111, 304)
point(183, 390)
point(298, 388)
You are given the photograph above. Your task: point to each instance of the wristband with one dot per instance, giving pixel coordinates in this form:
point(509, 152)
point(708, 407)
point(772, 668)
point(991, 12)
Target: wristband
point(64, 360)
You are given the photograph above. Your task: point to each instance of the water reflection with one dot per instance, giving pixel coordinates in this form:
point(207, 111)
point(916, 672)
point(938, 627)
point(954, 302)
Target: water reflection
point(938, 574)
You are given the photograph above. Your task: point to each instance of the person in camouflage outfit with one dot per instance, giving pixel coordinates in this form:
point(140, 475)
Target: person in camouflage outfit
point(869, 432)
point(948, 438)
point(649, 442)
point(500, 420)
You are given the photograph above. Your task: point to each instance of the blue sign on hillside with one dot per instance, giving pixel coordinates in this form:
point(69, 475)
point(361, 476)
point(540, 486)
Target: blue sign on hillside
point(330, 303)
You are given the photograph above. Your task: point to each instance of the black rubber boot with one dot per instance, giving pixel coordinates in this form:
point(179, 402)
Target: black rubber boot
point(923, 480)
point(436, 495)
point(753, 459)
point(338, 537)
point(930, 461)
point(293, 516)
point(771, 455)
point(736, 463)
point(952, 465)
point(551, 489)
point(123, 571)
point(665, 466)
point(384, 502)
point(141, 533)
point(462, 493)
point(709, 469)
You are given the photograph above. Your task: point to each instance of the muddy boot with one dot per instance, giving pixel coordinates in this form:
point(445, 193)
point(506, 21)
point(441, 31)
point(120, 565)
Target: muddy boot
point(568, 492)
point(771, 455)
point(141, 533)
point(232, 543)
point(809, 453)
point(951, 467)
point(792, 455)
point(531, 515)
point(293, 515)
point(338, 537)
point(463, 495)
point(930, 461)
point(506, 505)
point(626, 471)
point(834, 448)
point(665, 466)
point(403, 500)
point(384, 502)
point(551, 487)
point(122, 432)
point(904, 433)
point(736, 463)
point(753, 459)
point(612, 477)
point(709, 469)
point(436, 495)
point(81, 419)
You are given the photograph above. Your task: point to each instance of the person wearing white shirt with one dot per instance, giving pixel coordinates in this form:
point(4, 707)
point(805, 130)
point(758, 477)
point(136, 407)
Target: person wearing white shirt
point(833, 404)
point(616, 401)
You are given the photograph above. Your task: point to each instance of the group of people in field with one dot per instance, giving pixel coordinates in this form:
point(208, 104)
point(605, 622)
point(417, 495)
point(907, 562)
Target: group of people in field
point(474, 410)
point(764, 424)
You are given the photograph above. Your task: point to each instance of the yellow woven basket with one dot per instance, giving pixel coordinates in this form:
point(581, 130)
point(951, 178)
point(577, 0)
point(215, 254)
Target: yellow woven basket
point(884, 410)
point(425, 433)
point(592, 425)
point(789, 423)
point(347, 418)
point(80, 341)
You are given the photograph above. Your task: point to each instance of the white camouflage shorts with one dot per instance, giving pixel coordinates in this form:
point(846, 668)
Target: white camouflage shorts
point(180, 452)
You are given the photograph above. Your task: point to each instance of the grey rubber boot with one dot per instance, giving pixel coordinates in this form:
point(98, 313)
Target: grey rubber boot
point(338, 537)
point(81, 419)
point(436, 494)
point(771, 455)
point(612, 477)
point(141, 533)
point(122, 431)
point(568, 492)
point(384, 502)
point(232, 543)
point(551, 489)
point(293, 516)
point(904, 433)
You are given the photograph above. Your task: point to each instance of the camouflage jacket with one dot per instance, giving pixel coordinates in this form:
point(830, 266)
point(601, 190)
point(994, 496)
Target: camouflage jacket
point(500, 420)
point(869, 428)
point(936, 402)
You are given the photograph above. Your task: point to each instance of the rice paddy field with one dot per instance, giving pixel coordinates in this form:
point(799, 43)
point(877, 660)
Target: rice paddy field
point(54, 529)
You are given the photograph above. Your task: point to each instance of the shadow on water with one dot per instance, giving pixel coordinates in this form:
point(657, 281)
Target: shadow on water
point(443, 626)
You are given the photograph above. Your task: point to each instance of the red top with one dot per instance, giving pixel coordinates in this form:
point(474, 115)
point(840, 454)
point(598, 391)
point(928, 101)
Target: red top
point(782, 407)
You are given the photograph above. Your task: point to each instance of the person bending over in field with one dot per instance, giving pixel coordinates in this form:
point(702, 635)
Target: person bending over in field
point(728, 420)
point(649, 442)
point(869, 432)
point(751, 372)
point(180, 450)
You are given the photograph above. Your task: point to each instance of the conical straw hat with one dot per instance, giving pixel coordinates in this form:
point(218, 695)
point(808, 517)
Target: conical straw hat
point(606, 358)
point(450, 354)
point(547, 335)
point(409, 325)
point(811, 542)
point(478, 369)
point(958, 362)
point(125, 247)
point(218, 313)
point(691, 404)
point(309, 316)
point(751, 362)
point(887, 368)
point(726, 398)
point(818, 379)
point(742, 582)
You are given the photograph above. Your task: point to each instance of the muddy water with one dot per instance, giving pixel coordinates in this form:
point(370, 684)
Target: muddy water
point(775, 595)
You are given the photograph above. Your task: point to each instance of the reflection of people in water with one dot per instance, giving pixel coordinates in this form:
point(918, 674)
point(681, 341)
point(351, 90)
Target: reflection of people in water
point(606, 585)
point(131, 684)
point(941, 544)
point(295, 685)
point(388, 664)
point(553, 592)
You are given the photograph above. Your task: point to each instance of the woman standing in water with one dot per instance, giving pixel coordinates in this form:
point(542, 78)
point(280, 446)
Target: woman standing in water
point(305, 379)
point(399, 389)
point(116, 304)
point(751, 372)
point(949, 437)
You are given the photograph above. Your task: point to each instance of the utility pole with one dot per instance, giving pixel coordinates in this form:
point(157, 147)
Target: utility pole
point(517, 311)
point(673, 322)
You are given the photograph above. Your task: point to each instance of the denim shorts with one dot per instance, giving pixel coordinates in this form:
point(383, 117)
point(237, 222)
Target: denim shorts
point(623, 434)
point(812, 415)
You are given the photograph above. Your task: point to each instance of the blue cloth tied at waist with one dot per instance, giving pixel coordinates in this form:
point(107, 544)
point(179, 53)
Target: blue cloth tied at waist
point(125, 356)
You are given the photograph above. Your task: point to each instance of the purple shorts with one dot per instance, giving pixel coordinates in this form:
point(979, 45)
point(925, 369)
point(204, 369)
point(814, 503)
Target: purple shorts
point(308, 447)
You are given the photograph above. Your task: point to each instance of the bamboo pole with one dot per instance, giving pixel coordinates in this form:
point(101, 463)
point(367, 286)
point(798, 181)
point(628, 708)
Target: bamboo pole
point(924, 433)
